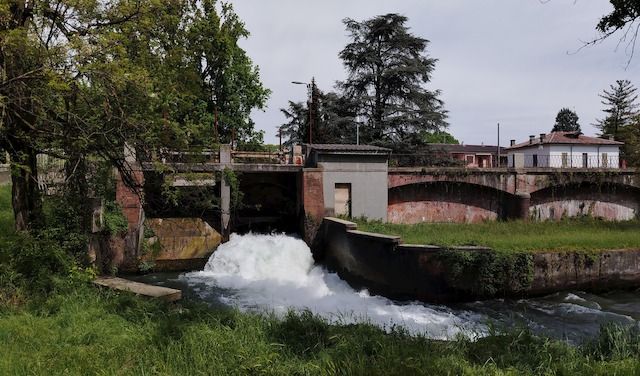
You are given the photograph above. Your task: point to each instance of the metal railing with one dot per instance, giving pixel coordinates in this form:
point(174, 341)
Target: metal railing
point(262, 157)
point(570, 161)
point(435, 160)
point(51, 173)
point(188, 156)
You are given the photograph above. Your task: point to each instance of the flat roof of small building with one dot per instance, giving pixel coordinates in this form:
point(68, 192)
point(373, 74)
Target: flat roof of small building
point(565, 138)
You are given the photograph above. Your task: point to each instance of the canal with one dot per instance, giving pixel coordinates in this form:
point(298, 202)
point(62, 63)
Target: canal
point(277, 273)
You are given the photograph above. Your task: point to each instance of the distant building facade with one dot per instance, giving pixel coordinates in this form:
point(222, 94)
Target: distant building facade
point(565, 150)
point(472, 156)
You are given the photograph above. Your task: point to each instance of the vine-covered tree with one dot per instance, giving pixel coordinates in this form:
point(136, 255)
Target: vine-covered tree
point(620, 107)
point(566, 121)
point(79, 78)
point(388, 69)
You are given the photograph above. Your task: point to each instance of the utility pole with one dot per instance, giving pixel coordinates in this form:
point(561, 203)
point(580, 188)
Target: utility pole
point(498, 164)
point(313, 108)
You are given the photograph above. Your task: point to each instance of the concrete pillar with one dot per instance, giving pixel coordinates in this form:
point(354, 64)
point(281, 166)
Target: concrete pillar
point(225, 193)
point(130, 201)
point(523, 201)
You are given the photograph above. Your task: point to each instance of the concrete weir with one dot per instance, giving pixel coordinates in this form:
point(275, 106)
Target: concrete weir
point(387, 267)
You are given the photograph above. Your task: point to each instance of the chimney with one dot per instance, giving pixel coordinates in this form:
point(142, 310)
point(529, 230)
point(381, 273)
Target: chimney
point(531, 138)
point(513, 142)
point(542, 136)
point(611, 137)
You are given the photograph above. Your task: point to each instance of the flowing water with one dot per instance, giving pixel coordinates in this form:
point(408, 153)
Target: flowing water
point(276, 273)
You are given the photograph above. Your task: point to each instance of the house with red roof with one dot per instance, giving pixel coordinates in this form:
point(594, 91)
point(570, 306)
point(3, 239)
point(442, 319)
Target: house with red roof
point(565, 150)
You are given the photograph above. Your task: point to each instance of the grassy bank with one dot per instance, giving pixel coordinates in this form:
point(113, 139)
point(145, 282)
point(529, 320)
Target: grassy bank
point(6, 213)
point(79, 330)
point(568, 235)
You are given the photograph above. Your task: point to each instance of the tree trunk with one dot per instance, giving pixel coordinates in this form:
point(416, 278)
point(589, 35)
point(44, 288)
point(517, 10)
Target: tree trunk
point(25, 195)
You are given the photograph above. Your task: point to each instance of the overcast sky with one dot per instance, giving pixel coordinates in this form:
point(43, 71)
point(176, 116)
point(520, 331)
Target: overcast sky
point(509, 61)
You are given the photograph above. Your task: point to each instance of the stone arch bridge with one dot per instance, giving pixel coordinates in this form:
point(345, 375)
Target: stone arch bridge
point(473, 195)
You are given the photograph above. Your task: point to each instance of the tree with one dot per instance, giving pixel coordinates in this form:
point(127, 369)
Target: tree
point(440, 137)
point(566, 121)
point(334, 121)
point(621, 108)
point(631, 136)
point(79, 78)
point(387, 71)
point(624, 17)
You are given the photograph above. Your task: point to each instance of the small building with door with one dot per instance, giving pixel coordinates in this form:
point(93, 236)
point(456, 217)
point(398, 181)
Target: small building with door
point(565, 150)
point(354, 178)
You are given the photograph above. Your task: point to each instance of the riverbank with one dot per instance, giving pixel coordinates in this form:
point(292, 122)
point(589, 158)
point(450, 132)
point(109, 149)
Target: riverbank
point(391, 266)
point(81, 330)
point(52, 321)
point(584, 235)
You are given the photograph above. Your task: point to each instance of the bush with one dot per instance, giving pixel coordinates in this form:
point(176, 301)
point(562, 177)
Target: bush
point(115, 222)
point(37, 261)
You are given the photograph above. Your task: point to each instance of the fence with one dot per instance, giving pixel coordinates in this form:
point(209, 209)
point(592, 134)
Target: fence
point(567, 160)
point(51, 173)
point(423, 160)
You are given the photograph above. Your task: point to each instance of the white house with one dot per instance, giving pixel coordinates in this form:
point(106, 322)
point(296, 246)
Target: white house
point(565, 150)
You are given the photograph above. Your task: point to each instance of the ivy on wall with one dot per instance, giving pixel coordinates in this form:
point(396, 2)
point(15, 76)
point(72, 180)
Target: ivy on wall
point(487, 273)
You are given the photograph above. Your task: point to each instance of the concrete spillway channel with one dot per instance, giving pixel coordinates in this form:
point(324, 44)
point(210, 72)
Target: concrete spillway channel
point(157, 292)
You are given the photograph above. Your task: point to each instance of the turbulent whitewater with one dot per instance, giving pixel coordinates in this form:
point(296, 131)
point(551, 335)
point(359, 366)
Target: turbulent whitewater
point(276, 273)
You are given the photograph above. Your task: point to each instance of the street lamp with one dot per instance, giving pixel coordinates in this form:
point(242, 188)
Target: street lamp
point(311, 103)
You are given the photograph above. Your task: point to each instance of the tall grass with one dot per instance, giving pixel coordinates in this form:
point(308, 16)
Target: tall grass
point(6, 212)
point(82, 331)
point(585, 234)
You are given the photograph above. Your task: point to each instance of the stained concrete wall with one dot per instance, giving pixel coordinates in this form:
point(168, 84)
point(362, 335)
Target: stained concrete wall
point(445, 202)
point(180, 243)
point(387, 267)
point(608, 201)
point(368, 178)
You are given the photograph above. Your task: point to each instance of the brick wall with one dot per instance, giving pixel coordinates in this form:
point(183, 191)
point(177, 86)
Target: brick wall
point(125, 252)
point(312, 194)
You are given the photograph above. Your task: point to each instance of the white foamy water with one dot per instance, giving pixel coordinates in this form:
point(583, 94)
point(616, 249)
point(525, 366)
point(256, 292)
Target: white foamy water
point(276, 273)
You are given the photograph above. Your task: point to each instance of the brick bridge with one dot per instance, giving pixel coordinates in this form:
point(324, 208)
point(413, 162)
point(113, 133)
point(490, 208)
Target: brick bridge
point(472, 195)
point(412, 194)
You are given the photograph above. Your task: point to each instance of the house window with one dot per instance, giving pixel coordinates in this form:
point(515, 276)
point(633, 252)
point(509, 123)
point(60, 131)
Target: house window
point(565, 160)
point(470, 159)
point(342, 199)
point(605, 160)
point(585, 160)
point(535, 160)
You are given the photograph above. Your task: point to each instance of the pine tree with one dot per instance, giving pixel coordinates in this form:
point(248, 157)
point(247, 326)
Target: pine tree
point(621, 108)
point(566, 121)
point(388, 68)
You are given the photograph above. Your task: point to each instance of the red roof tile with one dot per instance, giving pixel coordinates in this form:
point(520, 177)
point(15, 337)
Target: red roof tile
point(563, 138)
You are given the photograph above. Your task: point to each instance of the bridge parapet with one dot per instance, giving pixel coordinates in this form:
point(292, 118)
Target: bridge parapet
point(513, 181)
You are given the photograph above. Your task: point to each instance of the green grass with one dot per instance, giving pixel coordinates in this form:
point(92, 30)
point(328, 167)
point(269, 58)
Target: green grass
point(84, 331)
point(567, 235)
point(6, 212)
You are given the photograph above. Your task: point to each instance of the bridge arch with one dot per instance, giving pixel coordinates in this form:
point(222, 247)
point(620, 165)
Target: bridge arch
point(447, 201)
point(606, 200)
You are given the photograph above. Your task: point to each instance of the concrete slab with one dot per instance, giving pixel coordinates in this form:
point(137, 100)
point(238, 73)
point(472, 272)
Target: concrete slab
point(157, 292)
